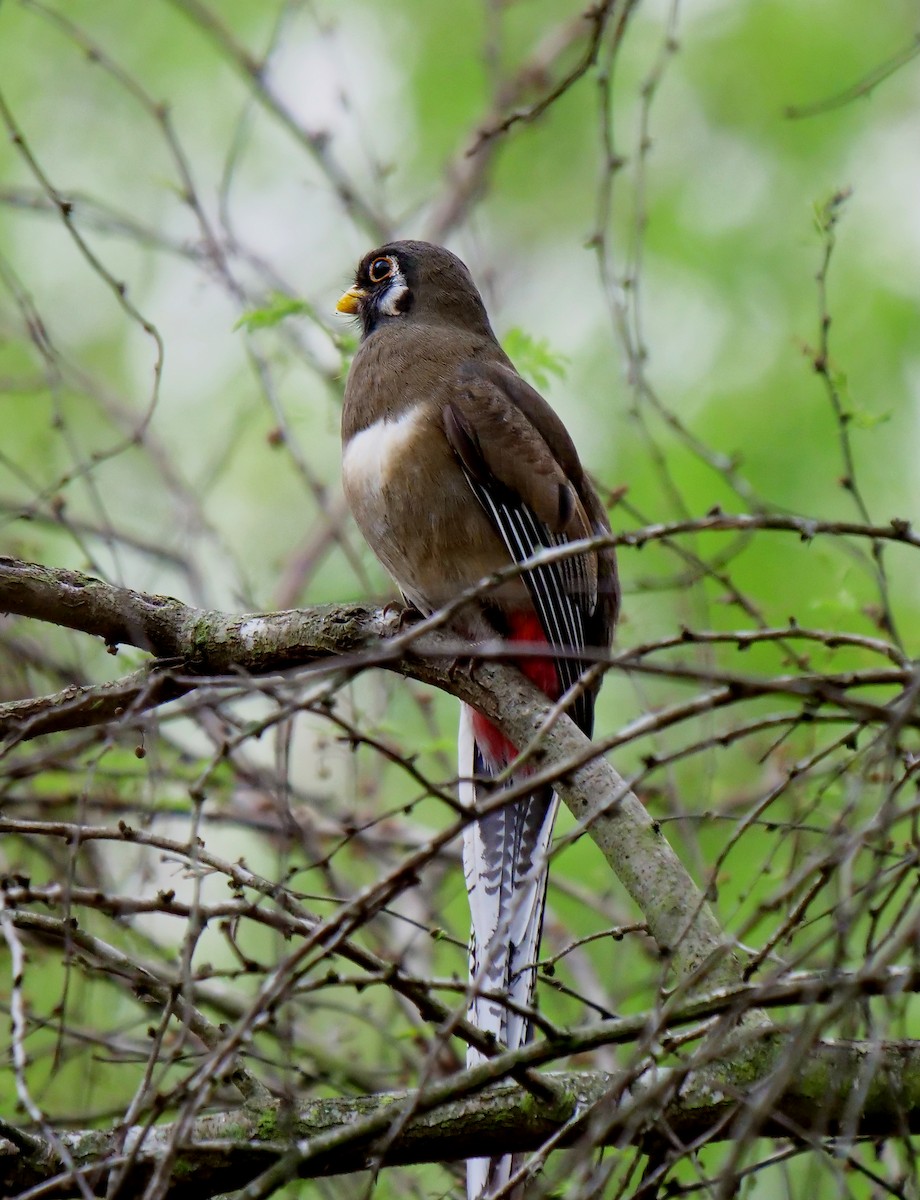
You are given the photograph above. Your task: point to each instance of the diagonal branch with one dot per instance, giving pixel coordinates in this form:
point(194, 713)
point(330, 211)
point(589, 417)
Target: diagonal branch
point(212, 643)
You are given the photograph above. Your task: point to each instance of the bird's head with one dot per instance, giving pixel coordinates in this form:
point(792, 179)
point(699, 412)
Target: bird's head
point(414, 281)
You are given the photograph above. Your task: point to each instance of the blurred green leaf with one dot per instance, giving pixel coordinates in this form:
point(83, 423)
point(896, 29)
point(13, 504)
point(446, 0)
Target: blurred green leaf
point(534, 357)
point(279, 309)
point(863, 419)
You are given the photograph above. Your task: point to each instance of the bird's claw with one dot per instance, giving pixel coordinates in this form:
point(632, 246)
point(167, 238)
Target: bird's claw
point(405, 614)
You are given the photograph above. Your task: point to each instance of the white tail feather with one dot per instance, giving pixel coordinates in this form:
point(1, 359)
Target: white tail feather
point(505, 858)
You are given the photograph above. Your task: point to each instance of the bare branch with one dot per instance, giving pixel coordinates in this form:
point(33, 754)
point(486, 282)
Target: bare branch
point(327, 1137)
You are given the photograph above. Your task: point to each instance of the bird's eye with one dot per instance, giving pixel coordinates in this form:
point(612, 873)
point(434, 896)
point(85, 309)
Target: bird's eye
point(380, 269)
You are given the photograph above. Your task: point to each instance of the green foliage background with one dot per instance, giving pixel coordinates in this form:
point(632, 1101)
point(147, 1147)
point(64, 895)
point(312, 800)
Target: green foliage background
point(220, 227)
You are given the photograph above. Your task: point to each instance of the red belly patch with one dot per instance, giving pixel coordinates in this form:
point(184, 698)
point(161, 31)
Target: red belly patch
point(496, 749)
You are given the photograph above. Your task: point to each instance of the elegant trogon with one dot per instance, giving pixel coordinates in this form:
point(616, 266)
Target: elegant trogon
point(454, 468)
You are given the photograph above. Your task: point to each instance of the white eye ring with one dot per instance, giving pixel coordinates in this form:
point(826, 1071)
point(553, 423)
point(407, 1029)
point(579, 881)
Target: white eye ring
point(388, 268)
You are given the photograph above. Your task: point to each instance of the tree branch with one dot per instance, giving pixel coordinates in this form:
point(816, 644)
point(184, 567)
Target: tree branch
point(225, 1150)
point(213, 643)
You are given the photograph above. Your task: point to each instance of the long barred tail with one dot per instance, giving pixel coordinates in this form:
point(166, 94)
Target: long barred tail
point(505, 863)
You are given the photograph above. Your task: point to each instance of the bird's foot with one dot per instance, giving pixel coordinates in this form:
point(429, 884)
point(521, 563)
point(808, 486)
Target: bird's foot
point(404, 614)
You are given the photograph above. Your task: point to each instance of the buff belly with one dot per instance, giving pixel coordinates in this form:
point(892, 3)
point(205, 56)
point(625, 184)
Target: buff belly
point(411, 501)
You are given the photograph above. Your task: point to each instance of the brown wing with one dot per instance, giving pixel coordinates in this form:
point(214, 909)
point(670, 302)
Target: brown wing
point(522, 466)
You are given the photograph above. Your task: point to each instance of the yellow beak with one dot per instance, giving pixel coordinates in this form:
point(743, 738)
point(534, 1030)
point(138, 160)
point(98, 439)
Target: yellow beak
point(350, 301)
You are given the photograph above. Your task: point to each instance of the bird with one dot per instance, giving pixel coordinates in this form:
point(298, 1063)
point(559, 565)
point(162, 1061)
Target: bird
point(454, 468)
